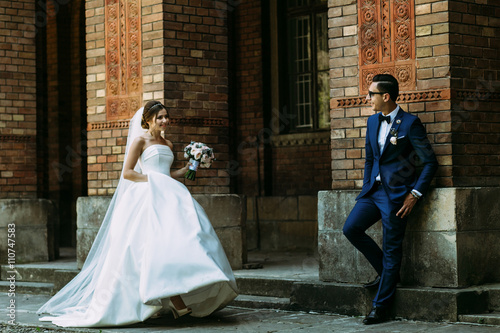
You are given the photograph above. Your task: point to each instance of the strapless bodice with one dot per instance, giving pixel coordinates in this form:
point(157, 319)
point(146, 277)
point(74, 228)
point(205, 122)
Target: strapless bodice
point(157, 158)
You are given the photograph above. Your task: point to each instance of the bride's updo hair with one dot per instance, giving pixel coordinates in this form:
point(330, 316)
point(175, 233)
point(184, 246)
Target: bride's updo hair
point(151, 109)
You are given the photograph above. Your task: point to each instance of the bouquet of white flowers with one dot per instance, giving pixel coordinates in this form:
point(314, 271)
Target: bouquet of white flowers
point(199, 154)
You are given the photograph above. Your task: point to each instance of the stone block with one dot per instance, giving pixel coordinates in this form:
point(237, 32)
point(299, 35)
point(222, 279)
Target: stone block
point(339, 263)
point(308, 208)
point(90, 211)
point(436, 212)
point(282, 223)
point(440, 305)
point(227, 214)
point(252, 232)
point(430, 259)
point(288, 235)
point(84, 239)
point(233, 242)
point(343, 299)
point(250, 209)
point(478, 255)
point(265, 287)
point(223, 210)
point(277, 208)
point(494, 298)
point(36, 224)
point(62, 277)
point(334, 208)
point(478, 209)
point(451, 239)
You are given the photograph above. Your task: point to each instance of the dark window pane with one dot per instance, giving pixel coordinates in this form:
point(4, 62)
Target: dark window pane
point(297, 3)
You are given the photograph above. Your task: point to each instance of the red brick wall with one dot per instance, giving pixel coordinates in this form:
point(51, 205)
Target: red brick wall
point(475, 71)
point(196, 84)
point(301, 169)
point(17, 100)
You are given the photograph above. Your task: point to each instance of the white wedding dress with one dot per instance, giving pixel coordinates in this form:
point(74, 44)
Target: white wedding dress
point(159, 244)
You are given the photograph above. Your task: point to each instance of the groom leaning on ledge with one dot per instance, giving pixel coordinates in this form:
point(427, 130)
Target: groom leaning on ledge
point(396, 144)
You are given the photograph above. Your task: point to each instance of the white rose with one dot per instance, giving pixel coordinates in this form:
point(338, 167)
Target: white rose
point(196, 153)
point(394, 140)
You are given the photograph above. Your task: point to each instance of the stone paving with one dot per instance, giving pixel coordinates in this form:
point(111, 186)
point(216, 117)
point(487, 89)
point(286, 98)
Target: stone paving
point(232, 319)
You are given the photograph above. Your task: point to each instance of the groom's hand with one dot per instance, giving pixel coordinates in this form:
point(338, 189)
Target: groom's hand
point(408, 205)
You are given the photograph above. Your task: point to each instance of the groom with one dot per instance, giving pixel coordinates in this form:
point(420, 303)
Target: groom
point(396, 144)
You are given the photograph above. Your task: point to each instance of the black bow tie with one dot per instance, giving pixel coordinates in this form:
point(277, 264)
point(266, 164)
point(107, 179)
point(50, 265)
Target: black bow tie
point(382, 118)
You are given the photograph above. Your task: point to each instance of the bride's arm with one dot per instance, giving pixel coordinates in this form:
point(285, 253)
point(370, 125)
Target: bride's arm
point(132, 158)
point(177, 173)
point(180, 173)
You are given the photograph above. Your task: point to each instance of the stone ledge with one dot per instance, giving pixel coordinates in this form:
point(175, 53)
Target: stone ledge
point(451, 239)
point(36, 224)
point(429, 304)
point(227, 213)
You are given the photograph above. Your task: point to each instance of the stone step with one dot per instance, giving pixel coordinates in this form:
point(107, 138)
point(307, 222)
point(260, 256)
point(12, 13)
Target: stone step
point(35, 288)
point(494, 295)
point(484, 318)
point(270, 287)
point(262, 302)
point(62, 277)
point(36, 272)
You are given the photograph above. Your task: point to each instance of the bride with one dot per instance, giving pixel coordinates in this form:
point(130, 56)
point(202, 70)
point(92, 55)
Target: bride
point(156, 250)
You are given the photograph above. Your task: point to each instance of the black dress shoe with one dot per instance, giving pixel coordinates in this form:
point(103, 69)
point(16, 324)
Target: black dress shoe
point(373, 284)
point(377, 315)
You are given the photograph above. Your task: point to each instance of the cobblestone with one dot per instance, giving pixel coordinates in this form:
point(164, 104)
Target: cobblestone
point(234, 319)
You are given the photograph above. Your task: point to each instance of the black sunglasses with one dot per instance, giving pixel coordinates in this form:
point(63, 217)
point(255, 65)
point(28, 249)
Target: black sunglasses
point(371, 93)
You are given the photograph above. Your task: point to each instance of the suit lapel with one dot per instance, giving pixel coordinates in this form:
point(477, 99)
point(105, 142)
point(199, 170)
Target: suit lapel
point(375, 125)
point(394, 128)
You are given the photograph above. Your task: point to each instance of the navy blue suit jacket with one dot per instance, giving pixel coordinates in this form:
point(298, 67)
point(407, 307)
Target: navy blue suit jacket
point(398, 163)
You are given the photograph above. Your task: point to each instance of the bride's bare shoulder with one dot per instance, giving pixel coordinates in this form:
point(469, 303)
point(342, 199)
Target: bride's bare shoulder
point(140, 140)
point(169, 143)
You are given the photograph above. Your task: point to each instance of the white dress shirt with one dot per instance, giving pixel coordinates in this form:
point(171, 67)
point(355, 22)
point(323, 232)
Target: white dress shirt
point(384, 131)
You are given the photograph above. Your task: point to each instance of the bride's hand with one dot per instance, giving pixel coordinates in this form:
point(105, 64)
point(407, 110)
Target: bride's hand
point(186, 167)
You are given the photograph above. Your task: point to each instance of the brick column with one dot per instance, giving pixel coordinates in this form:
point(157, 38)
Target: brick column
point(249, 98)
point(456, 96)
point(179, 58)
point(17, 100)
point(474, 45)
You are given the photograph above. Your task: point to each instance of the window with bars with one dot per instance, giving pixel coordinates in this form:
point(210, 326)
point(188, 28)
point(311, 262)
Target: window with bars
point(306, 39)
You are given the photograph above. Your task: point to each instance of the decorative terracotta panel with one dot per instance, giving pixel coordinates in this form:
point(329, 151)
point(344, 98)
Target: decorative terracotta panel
point(123, 58)
point(404, 97)
point(16, 138)
point(387, 41)
point(185, 121)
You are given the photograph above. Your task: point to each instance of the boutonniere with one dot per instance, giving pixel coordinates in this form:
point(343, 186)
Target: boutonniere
point(394, 138)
